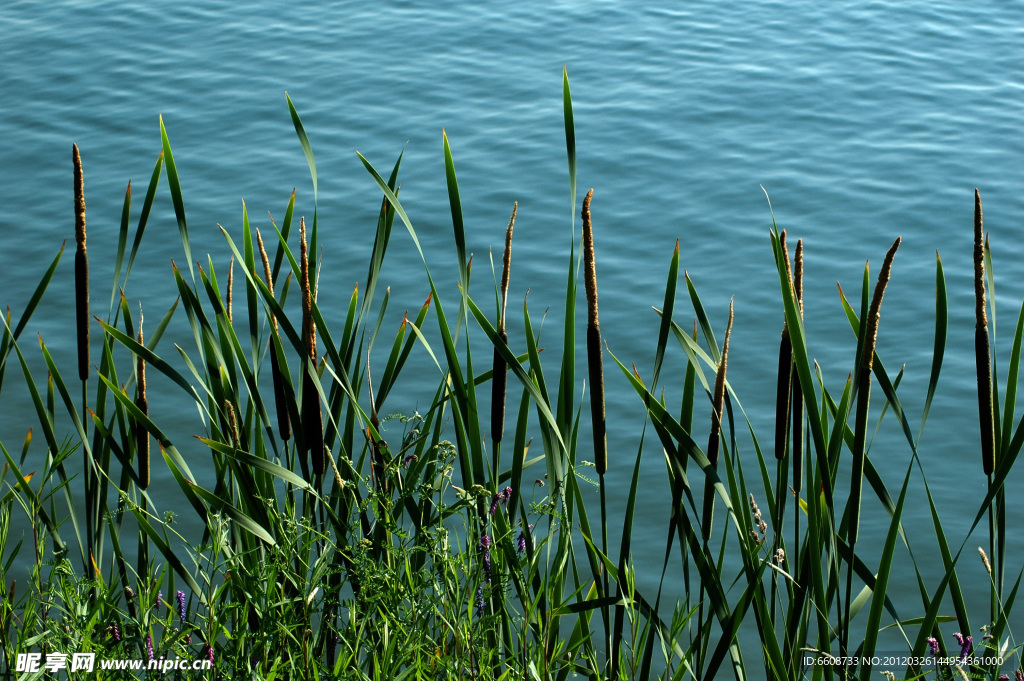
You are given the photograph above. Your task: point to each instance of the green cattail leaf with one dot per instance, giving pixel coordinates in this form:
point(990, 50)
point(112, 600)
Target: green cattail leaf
point(175, 187)
point(881, 582)
point(10, 337)
point(941, 324)
point(147, 206)
point(570, 140)
point(456, 208)
point(220, 505)
point(307, 149)
point(122, 240)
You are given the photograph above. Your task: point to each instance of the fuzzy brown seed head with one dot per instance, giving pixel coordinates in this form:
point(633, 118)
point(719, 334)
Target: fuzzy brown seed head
point(506, 265)
point(875, 309)
point(984, 560)
point(308, 326)
point(267, 274)
point(79, 198)
point(231, 286)
point(722, 368)
point(589, 269)
point(798, 275)
point(979, 264)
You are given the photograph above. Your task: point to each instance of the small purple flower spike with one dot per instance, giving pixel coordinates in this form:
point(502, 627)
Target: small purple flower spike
point(409, 459)
point(480, 600)
point(1019, 675)
point(494, 504)
point(149, 647)
point(933, 646)
point(965, 647)
point(115, 632)
point(485, 544)
point(208, 652)
point(506, 494)
point(181, 607)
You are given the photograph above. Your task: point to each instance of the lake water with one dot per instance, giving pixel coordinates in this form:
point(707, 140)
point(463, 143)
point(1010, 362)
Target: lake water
point(862, 120)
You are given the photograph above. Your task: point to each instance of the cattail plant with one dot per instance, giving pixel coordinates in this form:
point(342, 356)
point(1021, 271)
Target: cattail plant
point(796, 398)
point(718, 406)
point(500, 378)
point(982, 354)
point(81, 269)
point(312, 419)
point(594, 358)
point(231, 286)
point(865, 365)
point(782, 395)
point(279, 395)
point(141, 434)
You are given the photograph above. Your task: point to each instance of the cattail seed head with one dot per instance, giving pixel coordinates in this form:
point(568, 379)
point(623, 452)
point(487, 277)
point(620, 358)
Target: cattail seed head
point(874, 310)
point(984, 561)
point(589, 270)
point(81, 269)
point(595, 359)
point(506, 265)
point(231, 286)
point(982, 352)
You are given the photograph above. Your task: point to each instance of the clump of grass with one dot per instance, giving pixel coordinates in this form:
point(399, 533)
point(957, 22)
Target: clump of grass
point(403, 568)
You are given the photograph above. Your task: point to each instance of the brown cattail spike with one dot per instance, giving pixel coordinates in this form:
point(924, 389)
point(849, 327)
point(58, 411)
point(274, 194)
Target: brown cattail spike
point(796, 391)
point(864, 390)
point(499, 380)
point(714, 444)
point(982, 352)
point(312, 418)
point(81, 269)
point(231, 286)
point(595, 360)
point(141, 434)
point(875, 309)
point(782, 392)
point(275, 370)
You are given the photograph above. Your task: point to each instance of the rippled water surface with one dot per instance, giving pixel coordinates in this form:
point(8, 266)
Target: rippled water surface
point(861, 120)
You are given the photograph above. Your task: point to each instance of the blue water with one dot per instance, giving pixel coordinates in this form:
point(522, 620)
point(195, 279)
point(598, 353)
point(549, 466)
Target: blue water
point(862, 121)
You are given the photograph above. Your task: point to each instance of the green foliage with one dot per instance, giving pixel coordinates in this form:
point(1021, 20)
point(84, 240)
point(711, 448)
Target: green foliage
point(426, 552)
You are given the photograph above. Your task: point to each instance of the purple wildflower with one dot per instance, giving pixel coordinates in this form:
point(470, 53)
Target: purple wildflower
point(480, 600)
point(208, 652)
point(115, 632)
point(149, 647)
point(506, 494)
point(409, 459)
point(485, 545)
point(181, 606)
point(494, 503)
point(933, 646)
point(1018, 675)
point(521, 541)
point(159, 597)
point(965, 645)
point(1004, 677)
